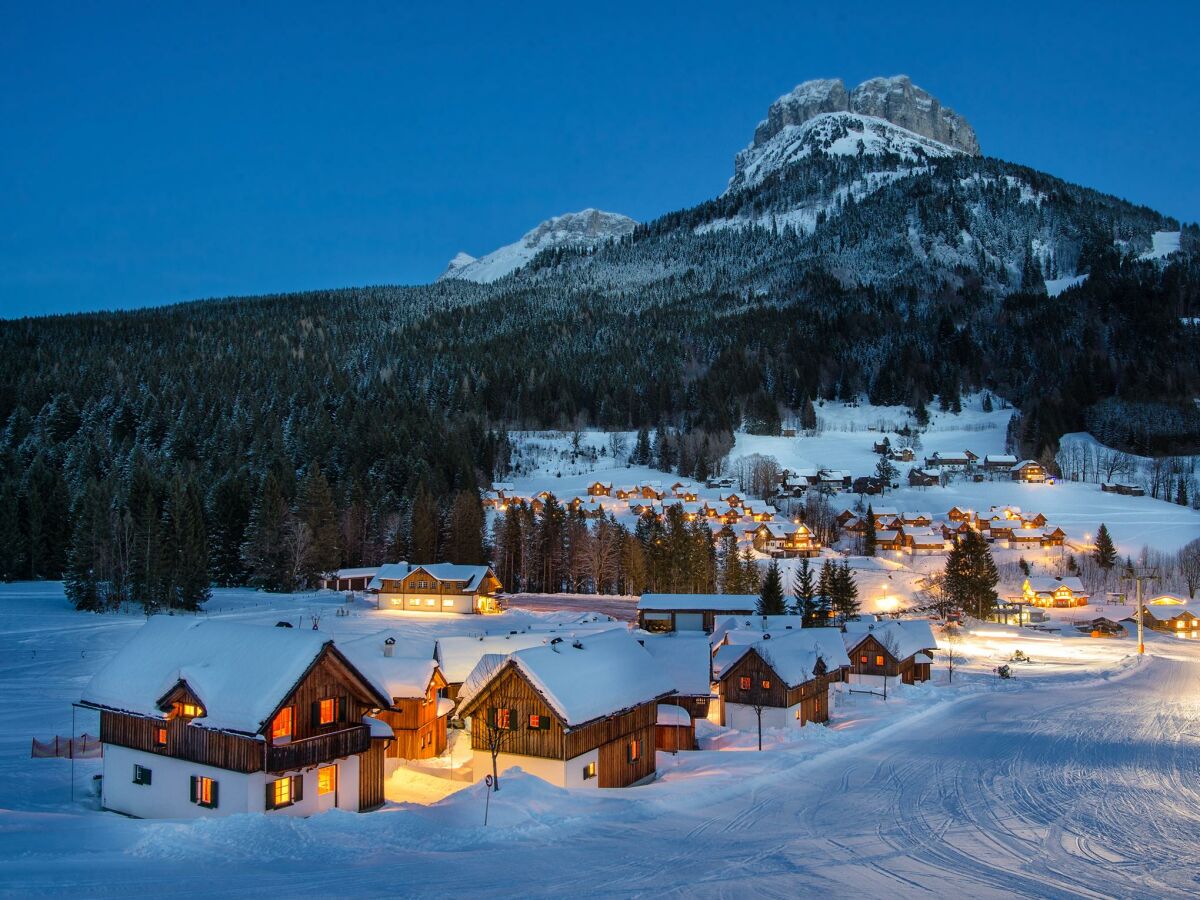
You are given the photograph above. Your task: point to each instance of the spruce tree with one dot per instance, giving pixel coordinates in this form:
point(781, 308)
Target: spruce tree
point(425, 528)
point(971, 576)
point(183, 566)
point(144, 550)
point(264, 552)
point(229, 504)
point(731, 566)
point(803, 590)
point(770, 596)
point(641, 449)
point(869, 536)
point(845, 592)
point(88, 540)
point(1105, 552)
point(823, 601)
point(750, 576)
point(466, 530)
point(316, 510)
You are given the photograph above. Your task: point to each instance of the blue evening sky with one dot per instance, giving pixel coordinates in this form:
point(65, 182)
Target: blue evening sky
point(157, 152)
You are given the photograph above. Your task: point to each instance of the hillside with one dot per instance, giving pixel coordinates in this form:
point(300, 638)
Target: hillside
point(864, 250)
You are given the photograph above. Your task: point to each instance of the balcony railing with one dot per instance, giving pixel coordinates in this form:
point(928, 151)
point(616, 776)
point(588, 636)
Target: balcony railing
point(318, 749)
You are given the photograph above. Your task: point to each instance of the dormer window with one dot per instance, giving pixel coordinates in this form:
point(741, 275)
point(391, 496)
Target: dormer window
point(189, 710)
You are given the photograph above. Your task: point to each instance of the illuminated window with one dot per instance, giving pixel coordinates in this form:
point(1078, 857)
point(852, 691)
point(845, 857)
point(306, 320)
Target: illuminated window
point(281, 728)
point(501, 717)
point(141, 775)
point(160, 737)
point(878, 659)
point(799, 715)
point(286, 791)
point(863, 659)
point(635, 750)
point(431, 602)
point(447, 601)
point(766, 684)
point(191, 710)
point(326, 779)
point(539, 722)
point(589, 771)
point(204, 791)
point(327, 711)
point(744, 683)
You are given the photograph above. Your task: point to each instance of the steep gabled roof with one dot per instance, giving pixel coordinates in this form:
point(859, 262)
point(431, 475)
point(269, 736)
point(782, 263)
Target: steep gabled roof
point(684, 658)
point(584, 679)
point(240, 673)
point(404, 675)
point(902, 637)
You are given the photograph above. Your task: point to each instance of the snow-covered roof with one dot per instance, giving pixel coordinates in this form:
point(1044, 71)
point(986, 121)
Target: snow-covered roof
point(586, 678)
point(793, 657)
point(684, 658)
point(1047, 584)
point(458, 655)
point(699, 602)
point(240, 673)
point(669, 714)
point(470, 576)
point(902, 637)
point(825, 643)
point(403, 675)
point(1000, 458)
point(361, 572)
point(379, 728)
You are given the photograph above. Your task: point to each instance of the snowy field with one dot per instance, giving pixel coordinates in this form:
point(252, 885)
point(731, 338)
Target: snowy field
point(1079, 777)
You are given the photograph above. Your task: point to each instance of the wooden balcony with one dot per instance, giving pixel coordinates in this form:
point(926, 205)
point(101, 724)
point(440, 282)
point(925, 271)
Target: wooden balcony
point(318, 749)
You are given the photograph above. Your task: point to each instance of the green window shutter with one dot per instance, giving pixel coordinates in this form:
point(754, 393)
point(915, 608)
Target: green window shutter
point(341, 709)
point(269, 800)
point(491, 716)
point(297, 788)
point(316, 713)
point(195, 785)
point(214, 803)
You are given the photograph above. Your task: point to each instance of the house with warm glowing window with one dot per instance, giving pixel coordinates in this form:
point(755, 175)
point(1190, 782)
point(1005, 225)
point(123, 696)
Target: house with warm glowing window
point(901, 648)
point(785, 676)
point(406, 672)
point(202, 717)
point(1029, 471)
point(1044, 590)
point(436, 588)
point(690, 612)
point(686, 659)
point(600, 488)
point(576, 712)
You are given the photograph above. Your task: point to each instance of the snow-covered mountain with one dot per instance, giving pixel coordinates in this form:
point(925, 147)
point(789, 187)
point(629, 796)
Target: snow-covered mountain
point(588, 228)
point(881, 116)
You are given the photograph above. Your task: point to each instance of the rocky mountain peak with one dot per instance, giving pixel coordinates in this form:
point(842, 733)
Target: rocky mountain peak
point(896, 100)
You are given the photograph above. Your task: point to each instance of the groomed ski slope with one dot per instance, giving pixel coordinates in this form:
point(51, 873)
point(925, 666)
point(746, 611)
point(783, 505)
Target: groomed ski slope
point(1080, 777)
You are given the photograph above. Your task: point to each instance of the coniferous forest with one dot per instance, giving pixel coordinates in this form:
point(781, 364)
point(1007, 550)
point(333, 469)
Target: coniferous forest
point(146, 455)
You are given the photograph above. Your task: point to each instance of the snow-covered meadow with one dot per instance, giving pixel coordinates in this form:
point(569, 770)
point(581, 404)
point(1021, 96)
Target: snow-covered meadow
point(1071, 778)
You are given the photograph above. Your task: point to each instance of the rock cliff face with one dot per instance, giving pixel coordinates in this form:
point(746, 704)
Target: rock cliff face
point(896, 99)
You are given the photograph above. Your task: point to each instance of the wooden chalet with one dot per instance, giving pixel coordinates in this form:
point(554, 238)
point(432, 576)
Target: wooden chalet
point(958, 514)
point(787, 676)
point(600, 489)
point(999, 462)
point(1128, 490)
point(901, 648)
point(888, 539)
point(916, 519)
point(785, 539)
point(923, 478)
point(436, 588)
point(658, 613)
point(902, 454)
point(925, 541)
point(202, 717)
point(868, 485)
point(408, 674)
point(576, 712)
point(1029, 471)
point(951, 461)
point(1048, 591)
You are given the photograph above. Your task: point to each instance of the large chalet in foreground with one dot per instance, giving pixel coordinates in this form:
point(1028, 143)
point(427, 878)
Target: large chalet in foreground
point(210, 718)
point(436, 588)
point(576, 712)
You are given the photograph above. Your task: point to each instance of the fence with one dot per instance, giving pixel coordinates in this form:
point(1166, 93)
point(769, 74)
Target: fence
point(83, 747)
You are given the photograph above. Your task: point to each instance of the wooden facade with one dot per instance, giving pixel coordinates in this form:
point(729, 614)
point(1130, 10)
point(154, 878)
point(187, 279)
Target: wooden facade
point(237, 753)
point(420, 732)
point(811, 696)
point(612, 735)
point(674, 738)
point(870, 657)
point(370, 776)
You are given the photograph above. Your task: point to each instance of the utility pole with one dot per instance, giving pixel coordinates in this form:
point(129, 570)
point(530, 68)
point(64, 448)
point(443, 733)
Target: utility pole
point(1139, 577)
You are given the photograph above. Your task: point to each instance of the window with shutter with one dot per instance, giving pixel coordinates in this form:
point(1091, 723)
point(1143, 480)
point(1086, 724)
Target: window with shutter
point(539, 722)
point(160, 738)
point(297, 788)
point(279, 793)
point(766, 684)
point(327, 711)
point(281, 727)
point(204, 791)
point(141, 775)
point(635, 750)
point(879, 659)
point(589, 771)
point(744, 682)
point(327, 779)
point(501, 717)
